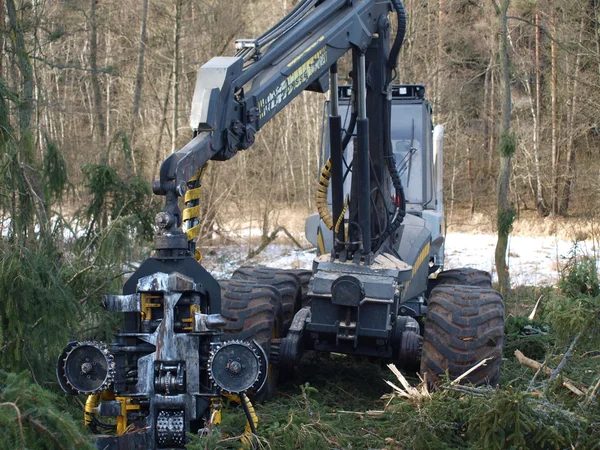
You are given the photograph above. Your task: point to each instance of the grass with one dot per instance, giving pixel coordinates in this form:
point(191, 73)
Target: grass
point(335, 401)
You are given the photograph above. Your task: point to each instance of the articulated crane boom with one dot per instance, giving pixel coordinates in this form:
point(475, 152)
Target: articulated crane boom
point(189, 340)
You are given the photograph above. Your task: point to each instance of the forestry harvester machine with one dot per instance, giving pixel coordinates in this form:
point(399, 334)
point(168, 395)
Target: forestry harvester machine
point(376, 287)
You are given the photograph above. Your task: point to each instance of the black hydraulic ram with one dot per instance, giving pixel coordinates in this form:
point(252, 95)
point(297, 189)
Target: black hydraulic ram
point(337, 175)
point(363, 175)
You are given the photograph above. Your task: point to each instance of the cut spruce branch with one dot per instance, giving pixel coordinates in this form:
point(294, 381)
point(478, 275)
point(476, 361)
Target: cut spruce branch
point(534, 365)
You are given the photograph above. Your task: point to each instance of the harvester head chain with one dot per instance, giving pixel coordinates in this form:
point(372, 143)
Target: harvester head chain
point(85, 368)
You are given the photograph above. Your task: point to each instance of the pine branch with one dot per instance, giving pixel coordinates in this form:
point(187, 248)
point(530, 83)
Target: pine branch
point(18, 412)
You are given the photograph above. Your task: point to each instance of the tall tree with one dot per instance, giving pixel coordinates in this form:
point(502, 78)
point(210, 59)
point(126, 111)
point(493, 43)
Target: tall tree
point(554, 113)
point(97, 96)
point(139, 79)
point(540, 204)
point(506, 212)
point(176, 38)
point(571, 125)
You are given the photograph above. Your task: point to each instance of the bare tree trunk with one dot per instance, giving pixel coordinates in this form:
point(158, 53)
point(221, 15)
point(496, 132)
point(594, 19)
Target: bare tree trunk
point(101, 128)
point(597, 33)
point(176, 36)
point(554, 82)
point(492, 119)
point(2, 38)
point(540, 204)
point(507, 147)
point(139, 79)
point(470, 178)
point(440, 52)
point(25, 161)
point(163, 124)
point(25, 69)
point(571, 151)
point(486, 99)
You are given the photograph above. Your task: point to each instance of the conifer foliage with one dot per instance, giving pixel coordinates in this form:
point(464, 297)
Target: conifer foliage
point(30, 417)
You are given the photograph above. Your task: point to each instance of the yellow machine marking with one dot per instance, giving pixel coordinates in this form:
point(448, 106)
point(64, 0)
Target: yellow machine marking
point(294, 81)
point(307, 50)
point(190, 320)
point(320, 242)
point(126, 406)
point(192, 212)
point(422, 256)
point(147, 305)
point(420, 259)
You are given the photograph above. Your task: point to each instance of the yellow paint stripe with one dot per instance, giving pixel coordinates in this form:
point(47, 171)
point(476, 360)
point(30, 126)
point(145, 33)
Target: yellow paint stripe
point(320, 242)
point(420, 259)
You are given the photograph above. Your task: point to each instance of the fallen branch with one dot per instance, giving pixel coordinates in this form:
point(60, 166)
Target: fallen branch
point(373, 413)
point(592, 393)
point(467, 390)
point(565, 358)
point(265, 241)
point(537, 373)
point(535, 308)
point(292, 238)
point(534, 365)
point(472, 369)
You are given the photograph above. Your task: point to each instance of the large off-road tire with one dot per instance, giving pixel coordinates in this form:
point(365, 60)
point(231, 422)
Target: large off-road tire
point(465, 276)
point(304, 276)
point(253, 311)
point(286, 283)
point(464, 325)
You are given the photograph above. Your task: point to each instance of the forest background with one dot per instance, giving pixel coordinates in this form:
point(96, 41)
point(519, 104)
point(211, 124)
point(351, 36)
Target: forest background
point(95, 94)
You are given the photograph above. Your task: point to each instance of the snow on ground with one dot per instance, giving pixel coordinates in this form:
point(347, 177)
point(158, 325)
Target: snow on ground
point(222, 261)
point(533, 260)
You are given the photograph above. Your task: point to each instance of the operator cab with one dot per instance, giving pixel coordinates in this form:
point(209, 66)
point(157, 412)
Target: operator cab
point(412, 140)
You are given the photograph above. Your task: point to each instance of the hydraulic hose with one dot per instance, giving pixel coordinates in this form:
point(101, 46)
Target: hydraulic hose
point(390, 158)
point(321, 195)
point(399, 39)
point(350, 130)
point(325, 178)
point(191, 213)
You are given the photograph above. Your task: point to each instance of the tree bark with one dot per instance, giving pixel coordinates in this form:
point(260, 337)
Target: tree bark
point(176, 36)
point(139, 79)
point(571, 151)
point(26, 71)
point(505, 210)
point(492, 119)
point(486, 115)
point(540, 203)
point(159, 156)
point(2, 38)
point(554, 112)
point(470, 178)
point(440, 52)
point(101, 128)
